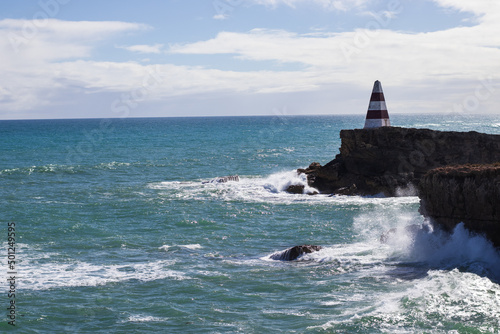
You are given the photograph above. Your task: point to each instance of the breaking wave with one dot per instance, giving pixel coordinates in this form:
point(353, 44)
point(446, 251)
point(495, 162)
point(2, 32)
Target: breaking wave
point(262, 189)
point(62, 169)
point(409, 246)
point(418, 275)
point(42, 270)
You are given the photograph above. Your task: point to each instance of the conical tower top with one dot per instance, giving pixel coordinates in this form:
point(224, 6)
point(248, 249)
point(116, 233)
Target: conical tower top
point(377, 114)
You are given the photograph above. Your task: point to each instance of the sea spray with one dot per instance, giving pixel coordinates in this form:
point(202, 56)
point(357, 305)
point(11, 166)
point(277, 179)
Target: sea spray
point(248, 188)
point(280, 182)
point(433, 279)
point(413, 239)
point(461, 249)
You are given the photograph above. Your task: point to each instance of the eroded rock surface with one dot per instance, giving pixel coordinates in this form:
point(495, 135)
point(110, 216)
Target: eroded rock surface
point(385, 159)
point(467, 193)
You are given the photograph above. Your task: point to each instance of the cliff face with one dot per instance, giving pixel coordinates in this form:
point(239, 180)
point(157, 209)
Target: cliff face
point(468, 194)
point(381, 160)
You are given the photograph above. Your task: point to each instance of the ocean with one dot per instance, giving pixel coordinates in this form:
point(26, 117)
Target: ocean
point(113, 226)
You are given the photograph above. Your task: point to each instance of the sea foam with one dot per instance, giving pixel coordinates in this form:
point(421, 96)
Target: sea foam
point(263, 189)
point(78, 273)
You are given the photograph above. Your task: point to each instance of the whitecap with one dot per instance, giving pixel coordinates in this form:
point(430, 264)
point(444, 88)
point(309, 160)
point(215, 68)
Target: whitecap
point(42, 276)
point(113, 165)
point(193, 246)
point(144, 318)
point(189, 246)
point(444, 295)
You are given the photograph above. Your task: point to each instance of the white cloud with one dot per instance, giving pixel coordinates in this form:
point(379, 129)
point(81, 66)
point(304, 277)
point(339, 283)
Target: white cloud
point(52, 39)
point(459, 58)
point(477, 7)
point(364, 52)
point(30, 52)
point(172, 80)
point(54, 62)
point(143, 48)
point(454, 54)
point(220, 16)
point(342, 5)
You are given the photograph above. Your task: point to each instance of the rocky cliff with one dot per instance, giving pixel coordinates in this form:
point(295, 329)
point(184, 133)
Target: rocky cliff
point(385, 159)
point(468, 194)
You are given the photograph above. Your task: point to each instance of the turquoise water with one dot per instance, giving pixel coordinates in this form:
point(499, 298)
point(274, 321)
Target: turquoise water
point(116, 231)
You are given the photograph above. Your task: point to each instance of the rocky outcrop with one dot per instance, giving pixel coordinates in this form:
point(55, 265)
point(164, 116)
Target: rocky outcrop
point(385, 159)
point(295, 189)
point(468, 193)
point(293, 253)
point(300, 189)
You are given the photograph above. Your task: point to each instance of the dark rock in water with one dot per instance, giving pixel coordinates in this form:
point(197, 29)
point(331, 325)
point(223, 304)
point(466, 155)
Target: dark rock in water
point(293, 253)
point(295, 189)
point(468, 194)
point(351, 190)
point(385, 159)
point(299, 189)
point(224, 179)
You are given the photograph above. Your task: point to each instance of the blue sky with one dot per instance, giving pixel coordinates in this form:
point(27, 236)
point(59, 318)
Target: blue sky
point(150, 58)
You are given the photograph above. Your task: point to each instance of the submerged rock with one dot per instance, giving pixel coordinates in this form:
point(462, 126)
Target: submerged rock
point(299, 189)
point(293, 253)
point(295, 189)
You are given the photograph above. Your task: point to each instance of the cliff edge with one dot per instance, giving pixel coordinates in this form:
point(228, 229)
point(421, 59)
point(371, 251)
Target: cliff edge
point(386, 159)
point(468, 193)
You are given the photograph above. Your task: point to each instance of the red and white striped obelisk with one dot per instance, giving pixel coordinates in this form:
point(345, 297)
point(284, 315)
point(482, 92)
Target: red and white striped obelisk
point(377, 114)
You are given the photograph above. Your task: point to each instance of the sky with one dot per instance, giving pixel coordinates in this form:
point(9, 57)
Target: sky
point(161, 58)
